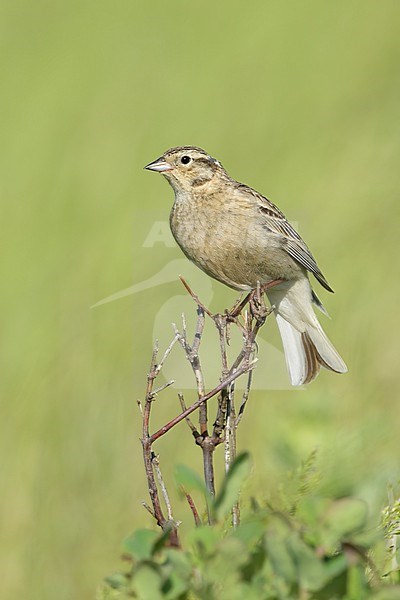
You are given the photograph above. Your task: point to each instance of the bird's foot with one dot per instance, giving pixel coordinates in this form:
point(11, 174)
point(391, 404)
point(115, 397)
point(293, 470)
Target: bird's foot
point(237, 308)
point(255, 300)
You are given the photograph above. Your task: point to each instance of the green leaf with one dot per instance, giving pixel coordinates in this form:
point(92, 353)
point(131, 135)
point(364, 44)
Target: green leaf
point(335, 566)
point(232, 483)
point(232, 552)
point(147, 583)
point(141, 543)
point(205, 540)
point(310, 570)
point(356, 583)
point(250, 531)
point(236, 590)
point(105, 592)
point(179, 561)
point(174, 587)
point(222, 570)
point(117, 581)
point(345, 516)
point(280, 558)
point(189, 479)
point(178, 569)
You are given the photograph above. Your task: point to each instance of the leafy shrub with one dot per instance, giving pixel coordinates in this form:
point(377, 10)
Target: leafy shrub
point(302, 546)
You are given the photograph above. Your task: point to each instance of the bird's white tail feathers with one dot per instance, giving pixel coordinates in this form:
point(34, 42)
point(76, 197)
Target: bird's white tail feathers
point(306, 345)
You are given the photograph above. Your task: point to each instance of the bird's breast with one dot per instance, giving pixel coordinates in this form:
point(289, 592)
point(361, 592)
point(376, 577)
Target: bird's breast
point(226, 240)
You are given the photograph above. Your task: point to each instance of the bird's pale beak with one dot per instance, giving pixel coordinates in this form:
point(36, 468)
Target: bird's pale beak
point(159, 165)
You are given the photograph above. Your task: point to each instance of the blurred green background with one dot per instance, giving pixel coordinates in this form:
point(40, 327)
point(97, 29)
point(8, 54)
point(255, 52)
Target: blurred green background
point(299, 100)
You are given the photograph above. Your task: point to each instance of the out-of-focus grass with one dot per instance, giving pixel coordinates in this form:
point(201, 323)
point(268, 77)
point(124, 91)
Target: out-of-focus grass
point(298, 99)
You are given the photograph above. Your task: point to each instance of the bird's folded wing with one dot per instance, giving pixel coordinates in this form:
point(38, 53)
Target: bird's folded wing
point(299, 251)
point(293, 243)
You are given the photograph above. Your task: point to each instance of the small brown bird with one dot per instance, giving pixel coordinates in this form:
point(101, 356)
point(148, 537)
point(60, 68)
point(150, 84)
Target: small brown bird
point(239, 237)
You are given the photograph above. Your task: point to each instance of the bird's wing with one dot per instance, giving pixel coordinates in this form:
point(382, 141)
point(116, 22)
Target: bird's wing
point(294, 245)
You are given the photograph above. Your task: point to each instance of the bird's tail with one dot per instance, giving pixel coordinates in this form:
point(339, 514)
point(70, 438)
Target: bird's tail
point(306, 345)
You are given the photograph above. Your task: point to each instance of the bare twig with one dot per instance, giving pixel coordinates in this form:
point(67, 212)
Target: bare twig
point(195, 298)
point(220, 420)
point(232, 376)
point(188, 421)
point(162, 387)
point(147, 507)
point(147, 452)
point(156, 465)
point(192, 354)
point(230, 437)
point(226, 419)
point(192, 507)
point(245, 397)
point(197, 370)
point(221, 323)
point(165, 356)
point(230, 447)
point(146, 441)
point(223, 421)
point(226, 422)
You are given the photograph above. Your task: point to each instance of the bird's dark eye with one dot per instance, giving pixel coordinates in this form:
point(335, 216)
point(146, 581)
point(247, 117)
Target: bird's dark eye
point(185, 160)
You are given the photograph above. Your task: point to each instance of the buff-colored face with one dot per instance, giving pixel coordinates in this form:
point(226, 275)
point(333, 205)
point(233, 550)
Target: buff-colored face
point(186, 167)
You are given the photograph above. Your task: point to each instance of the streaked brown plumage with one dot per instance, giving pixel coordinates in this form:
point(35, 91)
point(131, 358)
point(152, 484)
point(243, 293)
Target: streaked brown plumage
point(239, 237)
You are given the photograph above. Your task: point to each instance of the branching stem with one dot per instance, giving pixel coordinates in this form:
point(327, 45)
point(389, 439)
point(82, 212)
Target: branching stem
point(226, 420)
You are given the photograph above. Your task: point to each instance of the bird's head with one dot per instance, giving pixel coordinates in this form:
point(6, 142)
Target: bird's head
point(187, 167)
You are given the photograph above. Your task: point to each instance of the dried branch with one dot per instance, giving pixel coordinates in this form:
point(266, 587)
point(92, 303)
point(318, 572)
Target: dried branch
point(192, 507)
point(226, 421)
point(230, 446)
point(146, 441)
point(188, 421)
point(165, 356)
point(245, 397)
point(220, 419)
point(156, 465)
point(162, 387)
point(195, 298)
point(232, 376)
point(221, 323)
point(148, 455)
point(192, 354)
point(147, 507)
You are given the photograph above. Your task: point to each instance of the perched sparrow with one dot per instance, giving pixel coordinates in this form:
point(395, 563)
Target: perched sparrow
point(239, 237)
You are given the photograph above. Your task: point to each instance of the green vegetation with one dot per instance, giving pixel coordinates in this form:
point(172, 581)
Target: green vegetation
point(298, 99)
point(307, 547)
